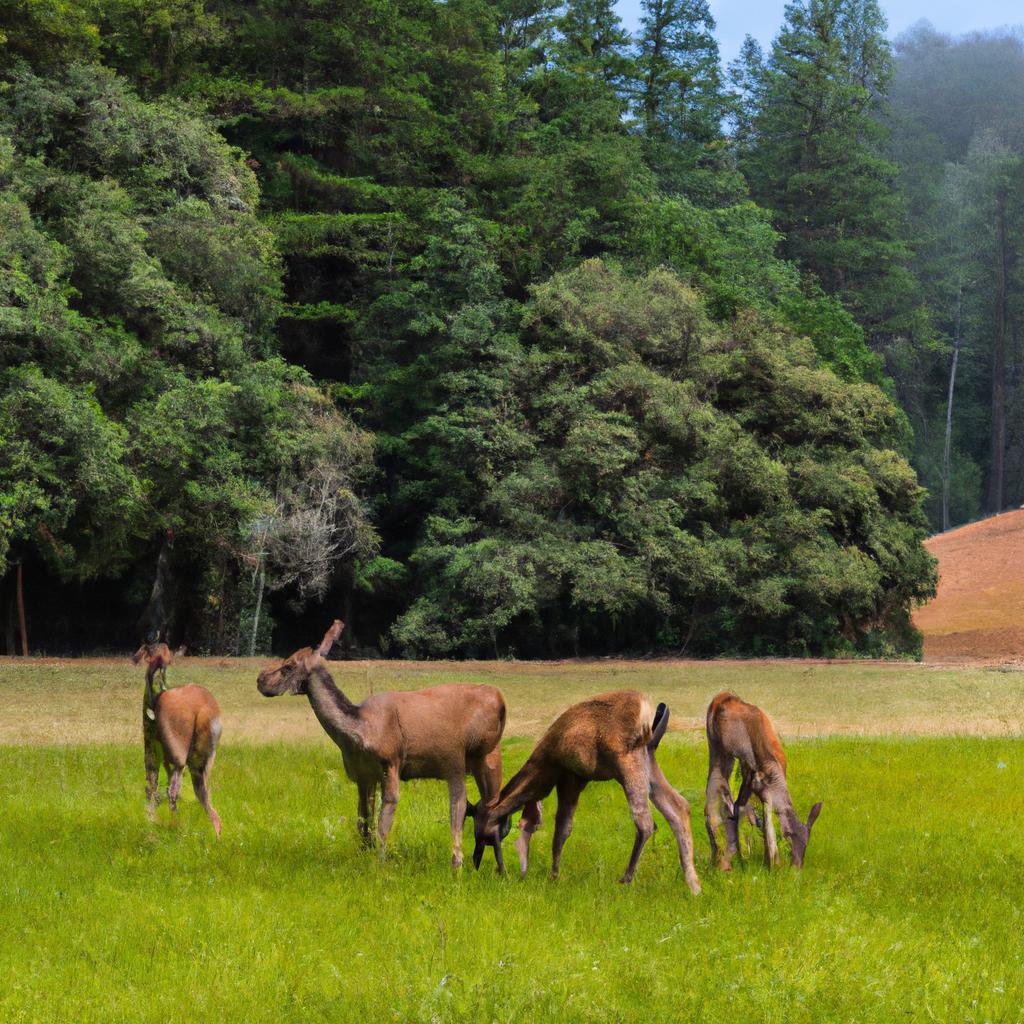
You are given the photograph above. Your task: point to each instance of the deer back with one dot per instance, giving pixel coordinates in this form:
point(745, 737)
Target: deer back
point(743, 731)
point(187, 718)
point(443, 725)
point(590, 738)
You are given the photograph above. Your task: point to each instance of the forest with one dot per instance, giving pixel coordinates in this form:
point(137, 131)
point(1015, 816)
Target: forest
point(495, 329)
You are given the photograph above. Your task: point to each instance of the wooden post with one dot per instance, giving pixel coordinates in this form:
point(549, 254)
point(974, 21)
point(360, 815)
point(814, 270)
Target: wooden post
point(21, 612)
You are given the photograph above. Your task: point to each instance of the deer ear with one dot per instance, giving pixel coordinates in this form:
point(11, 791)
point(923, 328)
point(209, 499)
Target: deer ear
point(813, 816)
point(658, 726)
point(330, 638)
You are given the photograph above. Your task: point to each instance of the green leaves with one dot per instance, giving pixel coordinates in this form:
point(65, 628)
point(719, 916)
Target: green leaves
point(813, 152)
point(676, 479)
point(139, 296)
point(65, 485)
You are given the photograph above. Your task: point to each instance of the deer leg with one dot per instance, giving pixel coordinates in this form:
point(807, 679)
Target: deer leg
point(388, 805)
point(371, 812)
point(676, 812)
point(457, 810)
point(529, 822)
point(174, 774)
point(201, 786)
point(740, 809)
point(486, 773)
point(569, 788)
point(636, 784)
point(152, 779)
point(718, 798)
point(364, 815)
point(771, 847)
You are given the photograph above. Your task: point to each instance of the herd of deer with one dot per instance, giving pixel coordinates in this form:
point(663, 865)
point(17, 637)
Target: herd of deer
point(449, 732)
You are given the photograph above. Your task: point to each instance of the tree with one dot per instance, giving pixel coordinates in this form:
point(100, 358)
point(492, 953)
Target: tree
point(814, 153)
point(675, 483)
point(958, 142)
point(139, 393)
point(679, 99)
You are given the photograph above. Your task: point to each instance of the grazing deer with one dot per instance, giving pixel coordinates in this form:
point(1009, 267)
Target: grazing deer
point(445, 732)
point(612, 736)
point(180, 727)
point(740, 731)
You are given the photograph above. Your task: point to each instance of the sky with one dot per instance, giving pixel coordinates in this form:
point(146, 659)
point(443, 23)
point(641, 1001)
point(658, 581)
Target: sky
point(762, 18)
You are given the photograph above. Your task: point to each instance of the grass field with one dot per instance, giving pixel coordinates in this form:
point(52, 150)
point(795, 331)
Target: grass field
point(909, 908)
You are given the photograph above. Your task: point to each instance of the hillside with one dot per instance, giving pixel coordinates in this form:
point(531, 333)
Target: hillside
point(979, 610)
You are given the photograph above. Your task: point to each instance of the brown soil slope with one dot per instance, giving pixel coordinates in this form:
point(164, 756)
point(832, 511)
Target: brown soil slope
point(978, 613)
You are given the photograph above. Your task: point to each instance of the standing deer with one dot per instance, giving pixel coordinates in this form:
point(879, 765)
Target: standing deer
point(445, 732)
point(180, 727)
point(740, 731)
point(612, 736)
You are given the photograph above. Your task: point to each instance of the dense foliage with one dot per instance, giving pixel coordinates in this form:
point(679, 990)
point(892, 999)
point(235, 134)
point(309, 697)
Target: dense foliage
point(140, 397)
point(580, 393)
point(958, 138)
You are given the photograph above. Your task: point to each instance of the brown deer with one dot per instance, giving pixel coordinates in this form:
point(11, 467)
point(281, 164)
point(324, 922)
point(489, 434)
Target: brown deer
point(180, 727)
point(611, 736)
point(740, 731)
point(445, 732)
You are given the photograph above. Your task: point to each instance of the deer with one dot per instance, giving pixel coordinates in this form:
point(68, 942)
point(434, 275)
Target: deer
point(738, 731)
point(181, 727)
point(444, 732)
point(610, 736)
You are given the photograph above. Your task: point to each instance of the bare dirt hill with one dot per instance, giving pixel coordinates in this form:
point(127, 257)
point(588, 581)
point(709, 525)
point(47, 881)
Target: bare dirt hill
point(978, 614)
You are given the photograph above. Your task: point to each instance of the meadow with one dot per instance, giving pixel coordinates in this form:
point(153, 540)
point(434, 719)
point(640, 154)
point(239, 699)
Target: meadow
point(909, 907)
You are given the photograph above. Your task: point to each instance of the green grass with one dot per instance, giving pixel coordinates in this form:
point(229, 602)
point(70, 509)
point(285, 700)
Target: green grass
point(57, 701)
point(909, 908)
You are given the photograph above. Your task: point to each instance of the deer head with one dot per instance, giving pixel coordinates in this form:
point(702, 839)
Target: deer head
point(799, 835)
point(292, 674)
point(487, 833)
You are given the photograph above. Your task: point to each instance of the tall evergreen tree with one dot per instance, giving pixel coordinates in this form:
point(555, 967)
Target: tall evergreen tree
point(679, 97)
point(814, 147)
point(592, 41)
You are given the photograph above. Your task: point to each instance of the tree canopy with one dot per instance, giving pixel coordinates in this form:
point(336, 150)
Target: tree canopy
point(470, 321)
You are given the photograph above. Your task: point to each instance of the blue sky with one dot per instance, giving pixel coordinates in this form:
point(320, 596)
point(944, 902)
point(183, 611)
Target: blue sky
point(762, 18)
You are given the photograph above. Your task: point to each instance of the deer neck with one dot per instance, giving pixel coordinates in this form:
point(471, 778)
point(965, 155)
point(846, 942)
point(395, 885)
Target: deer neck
point(532, 782)
point(335, 712)
point(149, 694)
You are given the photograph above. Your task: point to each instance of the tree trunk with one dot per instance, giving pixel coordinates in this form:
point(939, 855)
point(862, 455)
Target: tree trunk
point(997, 469)
point(949, 411)
point(154, 624)
point(20, 592)
point(259, 604)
